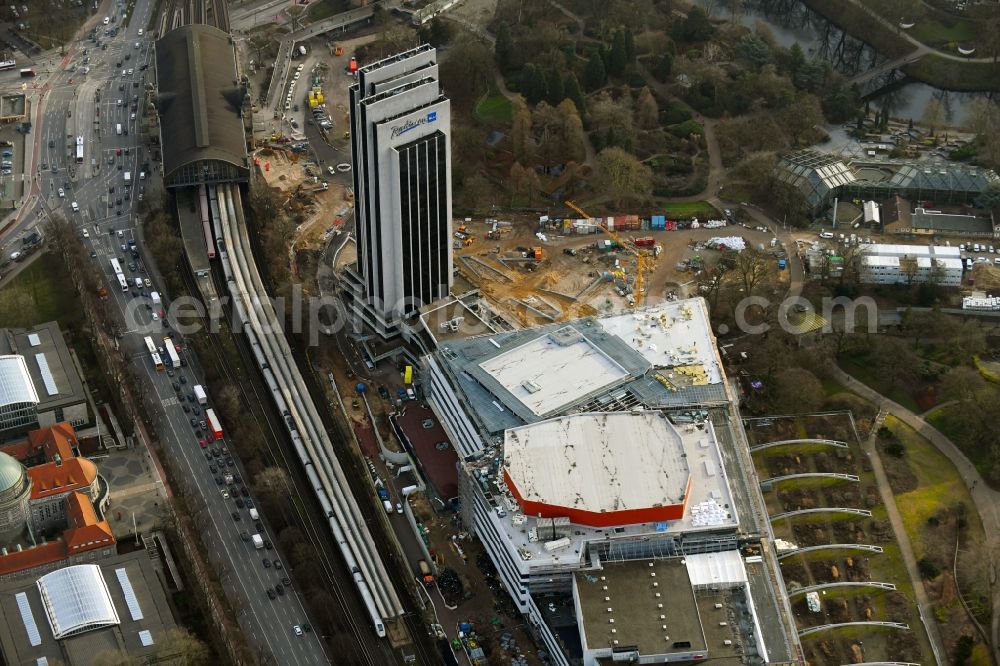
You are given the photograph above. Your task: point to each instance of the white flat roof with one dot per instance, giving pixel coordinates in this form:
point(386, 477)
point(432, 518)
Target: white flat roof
point(671, 334)
point(554, 371)
point(880, 260)
point(897, 250)
point(15, 381)
point(598, 462)
point(722, 568)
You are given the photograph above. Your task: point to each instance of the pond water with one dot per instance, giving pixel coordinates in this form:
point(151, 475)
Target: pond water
point(789, 21)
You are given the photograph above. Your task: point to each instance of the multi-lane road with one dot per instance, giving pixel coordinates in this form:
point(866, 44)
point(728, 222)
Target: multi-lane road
point(72, 105)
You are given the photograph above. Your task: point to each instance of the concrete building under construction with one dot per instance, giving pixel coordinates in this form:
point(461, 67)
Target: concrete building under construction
point(603, 458)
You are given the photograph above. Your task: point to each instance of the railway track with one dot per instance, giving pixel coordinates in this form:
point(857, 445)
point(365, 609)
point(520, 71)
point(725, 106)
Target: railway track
point(303, 422)
point(261, 413)
point(179, 13)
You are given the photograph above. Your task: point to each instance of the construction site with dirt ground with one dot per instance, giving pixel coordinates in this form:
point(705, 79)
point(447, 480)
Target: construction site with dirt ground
point(550, 269)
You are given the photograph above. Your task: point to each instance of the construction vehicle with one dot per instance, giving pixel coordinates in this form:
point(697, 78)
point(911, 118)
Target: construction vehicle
point(338, 50)
point(469, 241)
point(536, 253)
point(640, 264)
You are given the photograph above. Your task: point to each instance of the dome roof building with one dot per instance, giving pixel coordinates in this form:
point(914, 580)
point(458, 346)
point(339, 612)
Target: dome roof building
point(15, 492)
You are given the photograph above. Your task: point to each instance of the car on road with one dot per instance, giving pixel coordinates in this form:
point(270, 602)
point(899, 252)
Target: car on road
point(270, 593)
point(297, 629)
point(268, 545)
point(267, 563)
point(236, 516)
point(62, 193)
point(218, 480)
point(75, 207)
point(202, 443)
point(277, 564)
point(154, 316)
point(86, 233)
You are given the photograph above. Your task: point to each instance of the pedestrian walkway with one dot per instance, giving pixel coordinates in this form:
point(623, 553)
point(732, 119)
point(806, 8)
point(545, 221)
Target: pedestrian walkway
point(986, 499)
point(924, 606)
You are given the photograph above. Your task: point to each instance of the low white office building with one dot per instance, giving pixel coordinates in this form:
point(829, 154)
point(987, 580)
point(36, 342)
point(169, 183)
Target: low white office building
point(910, 264)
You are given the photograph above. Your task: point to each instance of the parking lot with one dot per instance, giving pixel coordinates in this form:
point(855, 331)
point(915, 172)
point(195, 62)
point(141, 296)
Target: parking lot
point(12, 172)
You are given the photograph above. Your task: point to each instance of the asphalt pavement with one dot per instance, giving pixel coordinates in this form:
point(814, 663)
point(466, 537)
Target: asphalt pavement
point(87, 105)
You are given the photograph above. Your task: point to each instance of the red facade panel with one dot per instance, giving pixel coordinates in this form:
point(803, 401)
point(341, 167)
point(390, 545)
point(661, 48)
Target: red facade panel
point(653, 514)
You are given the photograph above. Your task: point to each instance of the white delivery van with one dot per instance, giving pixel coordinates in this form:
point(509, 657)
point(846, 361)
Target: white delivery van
point(118, 129)
point(138, 283)
point(254, 515)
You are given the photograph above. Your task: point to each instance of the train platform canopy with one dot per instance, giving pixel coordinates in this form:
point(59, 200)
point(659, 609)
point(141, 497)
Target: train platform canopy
point(199, 101)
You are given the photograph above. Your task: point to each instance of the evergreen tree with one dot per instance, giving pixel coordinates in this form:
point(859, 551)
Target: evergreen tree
point(556, 90)
point(796, 58)
point(630, 52)
point(573, 92)
point(595, 75)
point(618, 57)
point(503, 49)
point(533, 83)
point(663, 67)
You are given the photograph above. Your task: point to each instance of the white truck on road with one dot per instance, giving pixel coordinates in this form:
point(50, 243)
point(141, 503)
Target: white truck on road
point(128, 177)
point(258, 542)
point(199, 393)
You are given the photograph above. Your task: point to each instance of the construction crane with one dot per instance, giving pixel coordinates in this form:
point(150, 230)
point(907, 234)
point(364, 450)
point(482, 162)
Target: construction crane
point(640, 259)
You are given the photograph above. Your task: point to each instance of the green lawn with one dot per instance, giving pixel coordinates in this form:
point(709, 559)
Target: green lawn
point(960, 76)
point(864, 372)
point(44, 284)
point(935, 31)
point(938, 484)
point(682, 209)
point(494, 108)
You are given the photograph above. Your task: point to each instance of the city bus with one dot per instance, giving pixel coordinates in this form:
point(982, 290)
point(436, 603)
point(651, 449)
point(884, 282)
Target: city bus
point(7, 64)
point(157, 361)
point(150, 347)
point(122, 282)
point(27, 73)
point(213, 423)
point(175, 360)
point(79, 150)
